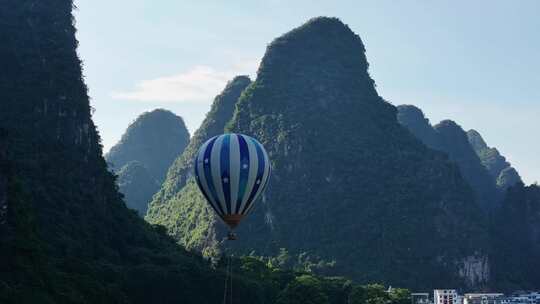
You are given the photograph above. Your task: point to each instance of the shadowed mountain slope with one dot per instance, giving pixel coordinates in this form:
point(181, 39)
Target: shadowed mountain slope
point(145, 153)
point(449, 137)
point(65, 234)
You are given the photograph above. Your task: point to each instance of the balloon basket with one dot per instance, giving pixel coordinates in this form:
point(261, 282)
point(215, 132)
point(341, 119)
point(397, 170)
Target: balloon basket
point(231, 236)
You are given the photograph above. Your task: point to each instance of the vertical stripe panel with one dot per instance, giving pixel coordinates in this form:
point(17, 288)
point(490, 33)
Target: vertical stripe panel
point(224, 161)
point(199, 183)
point(244, 171)
point(235, 166)
point(215, 160)
point(252, 172)
point(264, 179)
point(258, 179)
point(206, 174)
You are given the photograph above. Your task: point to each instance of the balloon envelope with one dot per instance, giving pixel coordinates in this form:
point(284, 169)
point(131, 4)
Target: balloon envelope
point(232, 170)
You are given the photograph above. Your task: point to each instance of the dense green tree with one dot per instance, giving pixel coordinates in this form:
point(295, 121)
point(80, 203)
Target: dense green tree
point(400, 296)
point(304, 289)
point(369, 294)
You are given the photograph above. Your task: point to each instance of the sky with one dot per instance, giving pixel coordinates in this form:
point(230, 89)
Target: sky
point(475, 62)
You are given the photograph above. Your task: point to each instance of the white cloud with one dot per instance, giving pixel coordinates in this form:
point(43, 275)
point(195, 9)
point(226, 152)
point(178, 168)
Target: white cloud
point(198, 84)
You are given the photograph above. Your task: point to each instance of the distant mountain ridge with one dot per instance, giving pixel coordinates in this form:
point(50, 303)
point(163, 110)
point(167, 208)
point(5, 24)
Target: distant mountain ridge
point(144, 154)
point(349, 183)
point(505, 175)
point(155, 139)
point(137, 185)
point(448, 137)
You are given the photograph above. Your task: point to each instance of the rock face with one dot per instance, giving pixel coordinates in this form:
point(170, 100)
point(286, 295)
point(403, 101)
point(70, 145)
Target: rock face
point(475, 269)
point(508, 178)
point(449, 137)
point(137, 185)
point(155, 139)
point(70, 237)
point(496, 164)
point(349, 183)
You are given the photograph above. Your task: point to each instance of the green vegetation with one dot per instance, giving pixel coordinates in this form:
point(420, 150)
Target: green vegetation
point(349, 184)
point(352, 192)
point(167, 209)
point(498, 167)
point(66, 235)
point(214, 124)
point(301, 287)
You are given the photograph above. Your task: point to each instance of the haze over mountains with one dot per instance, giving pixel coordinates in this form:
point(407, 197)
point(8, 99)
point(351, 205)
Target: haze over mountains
point(501, 170)
point(479, 164)
point(144, 154)
point(353, 192)
point(154, 139)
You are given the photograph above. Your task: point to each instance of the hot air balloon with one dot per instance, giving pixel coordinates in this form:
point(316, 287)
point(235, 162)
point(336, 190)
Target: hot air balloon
point(232, 170)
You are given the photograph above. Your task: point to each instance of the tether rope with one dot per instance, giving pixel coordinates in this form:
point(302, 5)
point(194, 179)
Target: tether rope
point(228, 280)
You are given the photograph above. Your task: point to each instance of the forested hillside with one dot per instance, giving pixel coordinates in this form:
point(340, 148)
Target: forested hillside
point(66, 235)
point(349, 183)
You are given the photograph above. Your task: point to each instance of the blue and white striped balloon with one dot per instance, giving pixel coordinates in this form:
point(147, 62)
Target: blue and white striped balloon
point(232, 170)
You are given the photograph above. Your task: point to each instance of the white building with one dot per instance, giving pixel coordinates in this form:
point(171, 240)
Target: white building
point(524, 298)
point(445, 296)
point(483, 298)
